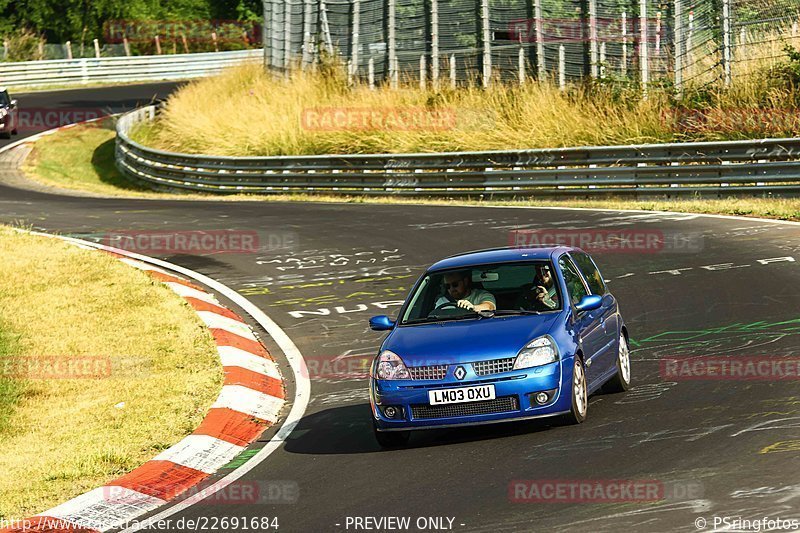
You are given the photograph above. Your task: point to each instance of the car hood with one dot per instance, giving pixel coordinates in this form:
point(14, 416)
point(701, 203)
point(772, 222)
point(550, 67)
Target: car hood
point(462, 341)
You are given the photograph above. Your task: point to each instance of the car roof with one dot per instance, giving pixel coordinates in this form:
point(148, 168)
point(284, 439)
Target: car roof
point(508, 254)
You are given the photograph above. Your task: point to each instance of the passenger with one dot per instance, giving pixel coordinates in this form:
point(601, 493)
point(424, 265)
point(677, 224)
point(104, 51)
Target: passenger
point(541, 294)
point(459, 287)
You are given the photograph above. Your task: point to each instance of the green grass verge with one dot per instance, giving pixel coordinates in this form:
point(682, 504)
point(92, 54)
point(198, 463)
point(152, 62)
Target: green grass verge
point(82, 158)
point(63, 434)
point(11, 388)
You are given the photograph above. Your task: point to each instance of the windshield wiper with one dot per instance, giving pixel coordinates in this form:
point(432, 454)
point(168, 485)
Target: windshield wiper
point(509, 312)
point(438, 319)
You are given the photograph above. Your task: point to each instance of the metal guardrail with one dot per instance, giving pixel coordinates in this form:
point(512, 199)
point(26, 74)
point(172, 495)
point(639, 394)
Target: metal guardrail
point(121, 69)
point(765, 166)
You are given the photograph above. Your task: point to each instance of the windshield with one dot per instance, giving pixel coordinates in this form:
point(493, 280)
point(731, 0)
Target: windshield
point(514, 288)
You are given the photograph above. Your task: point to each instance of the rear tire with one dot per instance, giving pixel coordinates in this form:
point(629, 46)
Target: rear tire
point(622, 379)
point(580, 399)
point(391, 439)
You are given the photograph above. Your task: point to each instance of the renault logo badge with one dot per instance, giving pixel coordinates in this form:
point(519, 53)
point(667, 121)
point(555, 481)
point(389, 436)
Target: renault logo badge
point(460, 373)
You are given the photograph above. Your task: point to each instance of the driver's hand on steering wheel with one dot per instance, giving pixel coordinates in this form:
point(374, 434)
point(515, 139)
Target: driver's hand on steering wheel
point(465, 304)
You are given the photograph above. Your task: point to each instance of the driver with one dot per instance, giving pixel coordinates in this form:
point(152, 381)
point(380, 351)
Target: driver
point(459, 287)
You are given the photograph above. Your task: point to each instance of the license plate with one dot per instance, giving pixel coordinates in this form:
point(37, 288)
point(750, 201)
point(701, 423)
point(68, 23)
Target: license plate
point(461, 395)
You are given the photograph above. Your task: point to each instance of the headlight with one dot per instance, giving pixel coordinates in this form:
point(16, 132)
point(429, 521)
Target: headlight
point(390, 366)
point(538, 352)
point(3, 113)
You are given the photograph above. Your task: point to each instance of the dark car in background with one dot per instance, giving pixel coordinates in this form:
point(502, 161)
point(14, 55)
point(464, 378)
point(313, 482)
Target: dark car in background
point(9, 114)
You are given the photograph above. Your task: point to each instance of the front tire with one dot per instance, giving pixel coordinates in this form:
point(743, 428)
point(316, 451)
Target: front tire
point(622, 379)
point(580, 398)
point(390, 439)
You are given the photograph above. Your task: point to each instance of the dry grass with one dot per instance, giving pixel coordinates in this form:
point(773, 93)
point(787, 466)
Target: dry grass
point(66, 436)
point(256, 113)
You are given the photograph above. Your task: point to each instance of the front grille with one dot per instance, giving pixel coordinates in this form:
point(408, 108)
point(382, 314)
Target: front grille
point(428, 372)
point(503, 404)
point(495, 366)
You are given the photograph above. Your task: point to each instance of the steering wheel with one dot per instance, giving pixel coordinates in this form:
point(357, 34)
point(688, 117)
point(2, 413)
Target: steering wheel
point(445, 305)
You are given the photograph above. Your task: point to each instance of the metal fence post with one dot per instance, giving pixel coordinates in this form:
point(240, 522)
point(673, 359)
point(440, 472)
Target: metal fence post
point(603, 60)
point(726, 40)
point(541, 68)
point(435, 43)
point(326, 29)
point(679, 49)
point(593, 38)
point(487, 44)
point(742, 44)
point(287, 35)
point(688, 47)
point(276, 33)
point(643, 61)
point(658, 34)
point(68, 49)
point(422, 72)
point(354, 45)
point(308, 49)
point(97, 47)
point(266, 37)
point(371, 72)
point(452, 71)
point(392, 51)
point(562, 68)
point(624, 65)
point(521, 65)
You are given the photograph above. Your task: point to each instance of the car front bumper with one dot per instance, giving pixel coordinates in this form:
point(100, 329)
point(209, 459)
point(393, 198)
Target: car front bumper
point(514, 399)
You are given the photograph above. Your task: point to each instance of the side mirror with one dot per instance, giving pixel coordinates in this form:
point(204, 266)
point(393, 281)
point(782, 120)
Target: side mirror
point(13, 103)
point(589, 302)
point(380, 323)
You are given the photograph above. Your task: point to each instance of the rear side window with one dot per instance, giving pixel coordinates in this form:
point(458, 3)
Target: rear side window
point(590, 273)
point(575, 286)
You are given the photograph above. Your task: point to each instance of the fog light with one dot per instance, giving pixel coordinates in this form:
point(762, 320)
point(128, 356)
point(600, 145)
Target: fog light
point(393, 411)
point(542, 398)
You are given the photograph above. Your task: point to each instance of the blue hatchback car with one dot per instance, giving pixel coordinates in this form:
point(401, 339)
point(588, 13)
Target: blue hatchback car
point(498, 335)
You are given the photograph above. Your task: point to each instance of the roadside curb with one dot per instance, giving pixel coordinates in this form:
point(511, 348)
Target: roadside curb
point(251, 400)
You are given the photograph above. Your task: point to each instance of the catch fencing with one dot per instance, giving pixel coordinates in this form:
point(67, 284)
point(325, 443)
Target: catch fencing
point(440, 42)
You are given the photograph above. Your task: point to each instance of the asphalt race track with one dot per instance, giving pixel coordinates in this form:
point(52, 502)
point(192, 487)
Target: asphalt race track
point(717, 447)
